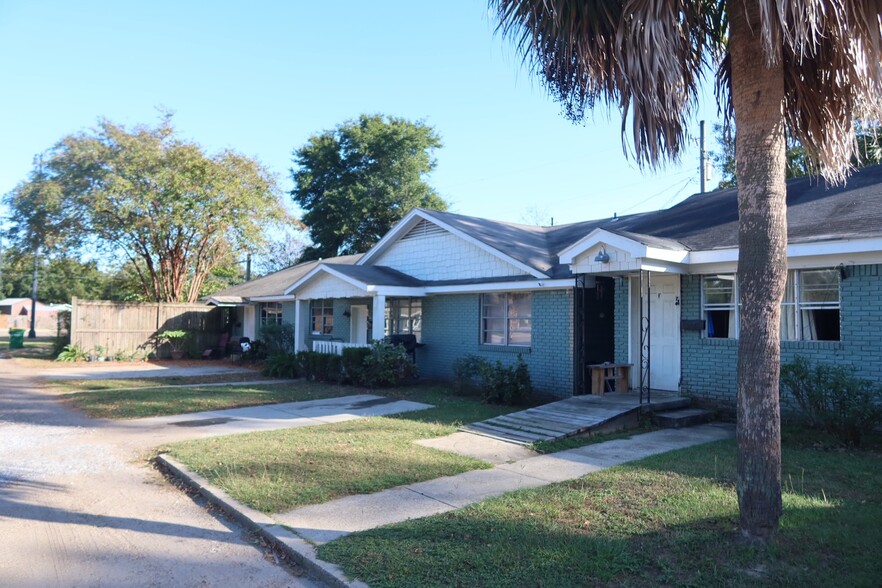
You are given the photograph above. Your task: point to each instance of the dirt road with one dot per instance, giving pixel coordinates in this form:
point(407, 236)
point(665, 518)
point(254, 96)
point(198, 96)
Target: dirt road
point(80, 507)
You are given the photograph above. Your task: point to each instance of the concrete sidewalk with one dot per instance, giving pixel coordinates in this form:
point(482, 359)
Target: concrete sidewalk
point(318, 524)
point(325, 522)
point(269, 417)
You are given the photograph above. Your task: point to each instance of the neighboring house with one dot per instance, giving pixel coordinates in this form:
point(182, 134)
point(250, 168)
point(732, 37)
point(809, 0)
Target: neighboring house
point(16, 313)
point(658, 290)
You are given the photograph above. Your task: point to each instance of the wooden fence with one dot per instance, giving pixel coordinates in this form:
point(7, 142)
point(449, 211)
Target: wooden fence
point(131, 328)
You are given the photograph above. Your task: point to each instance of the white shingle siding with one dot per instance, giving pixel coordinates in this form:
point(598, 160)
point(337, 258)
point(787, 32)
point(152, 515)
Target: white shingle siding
point(428, 253)
point(328, 286)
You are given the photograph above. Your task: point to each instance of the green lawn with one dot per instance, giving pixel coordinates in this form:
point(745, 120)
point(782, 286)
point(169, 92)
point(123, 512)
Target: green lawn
point(279, 470)
point(145, 402)
point(127, 383)
point(38, 348)
point(667, 520)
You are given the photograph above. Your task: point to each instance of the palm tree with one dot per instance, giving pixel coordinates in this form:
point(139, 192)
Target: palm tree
point(808, 67)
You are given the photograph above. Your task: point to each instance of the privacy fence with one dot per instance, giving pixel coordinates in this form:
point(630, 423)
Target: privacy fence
point(131, 328)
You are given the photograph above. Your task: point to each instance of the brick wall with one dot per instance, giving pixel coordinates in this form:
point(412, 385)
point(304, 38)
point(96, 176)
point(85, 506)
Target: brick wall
point(451, 329)
point(622, 308)
point(709, 365)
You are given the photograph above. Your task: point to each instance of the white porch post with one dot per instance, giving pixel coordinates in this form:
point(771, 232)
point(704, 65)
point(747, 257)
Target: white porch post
point(378, 328)
point(301, 318)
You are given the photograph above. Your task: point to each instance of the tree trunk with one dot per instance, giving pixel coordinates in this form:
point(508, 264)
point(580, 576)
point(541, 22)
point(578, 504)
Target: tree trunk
point(757, 97)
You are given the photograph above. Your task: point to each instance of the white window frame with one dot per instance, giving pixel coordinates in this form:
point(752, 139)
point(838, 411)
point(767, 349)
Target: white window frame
point(323, 305)
point(795, 305)
point(273, 318)
point(404, 324)
point(730, 306)
point(506, 320)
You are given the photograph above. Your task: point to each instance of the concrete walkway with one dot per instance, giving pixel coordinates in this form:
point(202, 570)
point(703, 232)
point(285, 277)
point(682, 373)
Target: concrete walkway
point(79, 506)
point(325, 522)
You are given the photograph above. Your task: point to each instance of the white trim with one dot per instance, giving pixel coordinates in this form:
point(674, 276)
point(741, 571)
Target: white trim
point(407, 223)
point(631, 246)
point(502, 286)
point(216, 302)
point(325, 269)
point(272, 298)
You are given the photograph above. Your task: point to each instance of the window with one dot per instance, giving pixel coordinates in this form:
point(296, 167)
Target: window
point(271, 313)
point(720, 308)
point(404, 316)
point(322, 312)
point(506, 319)
point(810, 310)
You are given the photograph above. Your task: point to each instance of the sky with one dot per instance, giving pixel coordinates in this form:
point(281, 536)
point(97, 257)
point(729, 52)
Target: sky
point(262, 77)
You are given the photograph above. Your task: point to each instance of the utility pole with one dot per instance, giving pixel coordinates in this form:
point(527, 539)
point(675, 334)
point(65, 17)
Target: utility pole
point(32, 334)
point(248, 268)
point(702, 159)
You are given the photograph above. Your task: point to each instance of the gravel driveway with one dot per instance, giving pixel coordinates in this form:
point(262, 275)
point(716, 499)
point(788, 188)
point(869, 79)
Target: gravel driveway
point(80, 507)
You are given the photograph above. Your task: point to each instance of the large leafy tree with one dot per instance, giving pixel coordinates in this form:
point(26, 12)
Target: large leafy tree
point(354, 182)
point(61, 277)
point(807, 67)
point(172, 211)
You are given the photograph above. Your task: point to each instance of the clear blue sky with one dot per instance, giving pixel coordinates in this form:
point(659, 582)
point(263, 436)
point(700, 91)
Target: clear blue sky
point(261, 77)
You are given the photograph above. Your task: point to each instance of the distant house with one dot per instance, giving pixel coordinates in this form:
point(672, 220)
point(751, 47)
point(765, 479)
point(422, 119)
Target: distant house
point(15, 313)
point(658, 290)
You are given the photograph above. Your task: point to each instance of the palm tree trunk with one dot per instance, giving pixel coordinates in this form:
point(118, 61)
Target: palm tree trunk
point(757, 97)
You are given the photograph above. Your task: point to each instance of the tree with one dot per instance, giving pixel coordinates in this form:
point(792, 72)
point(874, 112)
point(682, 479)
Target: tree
point(283, 250)
point(61, 277)
point(805, 67)
point(356, 181)
point(173, 212)
point(868, 152)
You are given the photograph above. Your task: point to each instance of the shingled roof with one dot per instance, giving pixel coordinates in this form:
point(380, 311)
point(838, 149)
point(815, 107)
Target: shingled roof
point(815, 212)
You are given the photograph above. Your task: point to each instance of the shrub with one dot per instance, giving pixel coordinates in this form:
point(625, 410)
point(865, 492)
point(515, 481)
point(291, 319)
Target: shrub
point(278, 338)
point(59, 344)
point(353, 363)
point(321, 367)
point(71, 353)
point(468, 374)
point(387, 365)
point(833, 399)
point(282, 365)
point(499, 383)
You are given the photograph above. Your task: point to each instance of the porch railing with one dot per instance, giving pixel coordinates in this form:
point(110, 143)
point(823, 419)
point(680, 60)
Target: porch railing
point(335, 347)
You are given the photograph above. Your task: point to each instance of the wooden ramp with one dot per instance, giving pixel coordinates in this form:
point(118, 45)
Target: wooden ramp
point(569, 417)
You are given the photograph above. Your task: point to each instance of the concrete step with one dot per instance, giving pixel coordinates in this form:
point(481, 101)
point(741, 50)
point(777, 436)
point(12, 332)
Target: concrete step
point(667, 404)
point(684, 417)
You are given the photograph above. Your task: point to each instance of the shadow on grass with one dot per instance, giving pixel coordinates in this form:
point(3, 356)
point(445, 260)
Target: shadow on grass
point(667, 520)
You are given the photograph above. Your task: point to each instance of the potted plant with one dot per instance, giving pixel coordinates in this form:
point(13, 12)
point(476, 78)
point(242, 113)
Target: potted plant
point(176, 340)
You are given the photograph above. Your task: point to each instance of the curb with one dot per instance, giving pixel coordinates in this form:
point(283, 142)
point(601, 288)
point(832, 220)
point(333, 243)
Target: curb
point(296, 548)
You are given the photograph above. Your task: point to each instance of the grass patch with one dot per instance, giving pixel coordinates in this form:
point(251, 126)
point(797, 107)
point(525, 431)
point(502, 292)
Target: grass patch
point(128, 383)
point(667, 520)
point(589, 439)
point(38, 348)
point(146, 402)
point(277, 471)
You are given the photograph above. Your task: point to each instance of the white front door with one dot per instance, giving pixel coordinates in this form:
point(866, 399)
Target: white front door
point(358, 324)
point(664, 332)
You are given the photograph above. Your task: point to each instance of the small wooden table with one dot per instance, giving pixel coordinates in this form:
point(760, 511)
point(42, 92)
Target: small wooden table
point(618, 374)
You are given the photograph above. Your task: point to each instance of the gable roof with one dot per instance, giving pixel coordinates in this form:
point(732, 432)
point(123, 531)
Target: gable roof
point(275, 283)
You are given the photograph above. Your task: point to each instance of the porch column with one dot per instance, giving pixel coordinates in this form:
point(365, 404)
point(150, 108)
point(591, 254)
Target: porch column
point(301, 318)
point(378, 328)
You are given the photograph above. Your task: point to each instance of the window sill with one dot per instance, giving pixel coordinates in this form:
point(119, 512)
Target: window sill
point(505, 348)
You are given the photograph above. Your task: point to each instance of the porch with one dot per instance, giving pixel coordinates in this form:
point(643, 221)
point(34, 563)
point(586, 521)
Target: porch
point(572, 416)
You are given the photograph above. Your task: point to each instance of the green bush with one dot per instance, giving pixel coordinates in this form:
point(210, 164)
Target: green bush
point(71, 353)
point(833, 399)
point(353, 363)
point(282, 365)
point(278, 338)
point(321, 367)
point(59, 344)
point(387, 365)
point(468, 374)
point(499, 383)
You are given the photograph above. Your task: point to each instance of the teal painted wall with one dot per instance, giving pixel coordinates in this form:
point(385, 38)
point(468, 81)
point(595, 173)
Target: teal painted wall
point(451, 330)
point(709, 365)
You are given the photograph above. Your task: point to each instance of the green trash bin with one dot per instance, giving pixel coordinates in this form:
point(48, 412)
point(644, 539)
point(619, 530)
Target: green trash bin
point(16, 338)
